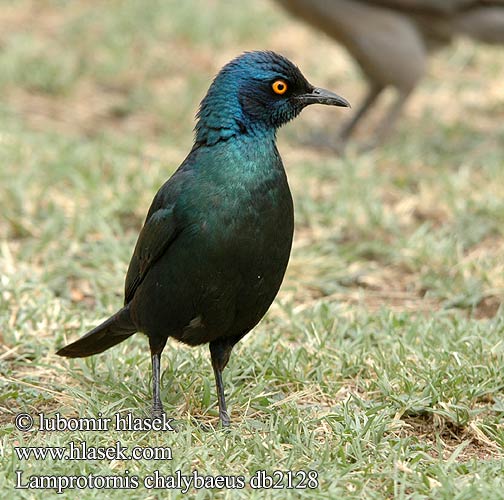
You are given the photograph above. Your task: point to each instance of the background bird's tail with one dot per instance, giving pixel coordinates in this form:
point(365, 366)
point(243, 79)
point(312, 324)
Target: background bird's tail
point(111, 332)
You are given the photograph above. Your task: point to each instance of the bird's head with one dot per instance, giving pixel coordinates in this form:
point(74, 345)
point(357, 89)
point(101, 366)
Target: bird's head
point(256, 93)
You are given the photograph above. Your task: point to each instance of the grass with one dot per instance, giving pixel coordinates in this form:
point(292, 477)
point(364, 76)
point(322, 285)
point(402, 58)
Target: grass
point(380, 363)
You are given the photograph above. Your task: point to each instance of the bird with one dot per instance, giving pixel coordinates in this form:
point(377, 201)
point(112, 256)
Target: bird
point(391, 40)
point(214, 247)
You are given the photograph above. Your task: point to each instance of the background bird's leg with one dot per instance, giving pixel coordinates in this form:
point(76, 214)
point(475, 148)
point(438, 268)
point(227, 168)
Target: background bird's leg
point(390, 118)
point(348, 128)
point(220, 352)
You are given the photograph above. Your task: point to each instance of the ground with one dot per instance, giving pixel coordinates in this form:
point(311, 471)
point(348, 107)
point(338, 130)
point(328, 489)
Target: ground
point(380, 363)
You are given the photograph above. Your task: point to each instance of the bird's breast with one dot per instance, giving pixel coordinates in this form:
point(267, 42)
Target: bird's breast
point(248, 239)
point(250, 218)
point(222, 272)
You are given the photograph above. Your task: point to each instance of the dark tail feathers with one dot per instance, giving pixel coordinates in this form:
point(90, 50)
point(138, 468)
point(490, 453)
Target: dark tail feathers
point(111, 332)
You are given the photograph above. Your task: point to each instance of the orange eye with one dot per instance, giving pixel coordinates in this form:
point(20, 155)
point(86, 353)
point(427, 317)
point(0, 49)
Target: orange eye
point(279, 87)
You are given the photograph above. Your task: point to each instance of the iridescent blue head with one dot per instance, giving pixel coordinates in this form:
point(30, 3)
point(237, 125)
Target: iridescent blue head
point(256, 93)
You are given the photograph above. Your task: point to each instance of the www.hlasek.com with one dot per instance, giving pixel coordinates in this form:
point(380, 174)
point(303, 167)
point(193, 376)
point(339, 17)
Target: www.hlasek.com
point(80, 450)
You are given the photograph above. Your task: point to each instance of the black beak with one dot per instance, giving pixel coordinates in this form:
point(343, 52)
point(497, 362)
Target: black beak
point(322, 96)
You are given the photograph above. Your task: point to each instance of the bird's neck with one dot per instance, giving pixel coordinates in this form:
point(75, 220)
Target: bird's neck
point(209, 134)
point(245, 159)
point(255, 143)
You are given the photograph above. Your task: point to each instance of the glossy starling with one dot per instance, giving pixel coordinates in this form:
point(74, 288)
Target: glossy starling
point(213, 251)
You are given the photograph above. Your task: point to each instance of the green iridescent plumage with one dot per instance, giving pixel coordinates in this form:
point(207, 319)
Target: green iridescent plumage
point(216, 241)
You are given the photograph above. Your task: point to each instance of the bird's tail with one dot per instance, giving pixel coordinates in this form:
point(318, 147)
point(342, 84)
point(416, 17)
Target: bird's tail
point(111, 332)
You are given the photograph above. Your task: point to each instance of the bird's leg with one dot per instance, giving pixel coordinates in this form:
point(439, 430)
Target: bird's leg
point(219, 352)
point(157, 406)
point(223, 414)
point(391, 116)
point(372, 95)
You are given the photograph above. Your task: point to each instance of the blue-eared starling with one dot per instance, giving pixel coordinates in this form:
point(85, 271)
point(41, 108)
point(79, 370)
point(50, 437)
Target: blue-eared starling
point(214, 247)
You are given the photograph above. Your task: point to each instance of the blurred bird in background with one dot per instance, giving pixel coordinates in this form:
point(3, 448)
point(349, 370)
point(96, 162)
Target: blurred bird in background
point(391, 40)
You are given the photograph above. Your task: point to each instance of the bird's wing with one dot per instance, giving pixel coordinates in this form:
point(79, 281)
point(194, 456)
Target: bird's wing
point(157, 234)
point(161, 228)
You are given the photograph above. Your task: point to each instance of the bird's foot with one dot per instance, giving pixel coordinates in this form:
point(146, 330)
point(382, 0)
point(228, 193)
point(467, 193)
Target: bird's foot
point(224, 419)
point(368, 146)
point(322, 142)
point(157, 411)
